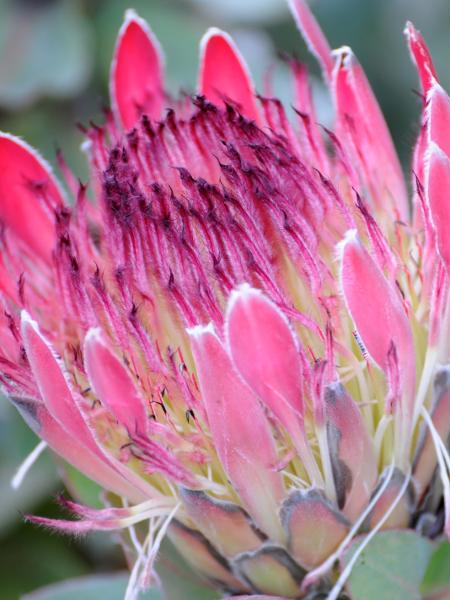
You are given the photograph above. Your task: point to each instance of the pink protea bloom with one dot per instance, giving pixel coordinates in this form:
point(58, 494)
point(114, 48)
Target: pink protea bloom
point(238, 329)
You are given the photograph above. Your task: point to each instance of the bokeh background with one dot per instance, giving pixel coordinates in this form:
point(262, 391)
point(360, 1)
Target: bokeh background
point(54, 66)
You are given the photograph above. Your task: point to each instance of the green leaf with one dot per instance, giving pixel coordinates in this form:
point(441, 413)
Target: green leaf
point(165, 18)
point(90, 588)
point(34, 69)
point(82, 488)
point(392, 566)
point(32, 558)
point(437, 575)
point(178, 580)
point(16, 442)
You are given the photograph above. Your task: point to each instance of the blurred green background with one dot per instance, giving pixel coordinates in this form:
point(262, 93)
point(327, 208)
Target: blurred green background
point(54, 65)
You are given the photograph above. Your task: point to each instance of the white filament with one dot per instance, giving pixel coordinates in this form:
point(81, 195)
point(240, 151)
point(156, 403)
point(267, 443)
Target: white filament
point(133, 535)
point(328, 563)
point(425, 380)
point(132, 590)
point(160, 535)
point(437, 438)
point(379, 434)
point(147, 555)
point(24, 468)
point(325, 455)
point(333, 595)
point(143, 516)
point(442, 458)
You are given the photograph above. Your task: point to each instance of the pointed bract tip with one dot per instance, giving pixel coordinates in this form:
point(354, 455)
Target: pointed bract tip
point(21, 209)
point(409, 29)
point(313, 35)
point(86, 147)
point(412, 33)
point(199, 330)
point(25, 316)
point(344, 55)
point(137, 72)
point(213, 32)
point(43, 162)
point(94, 334)
point(232, 80)
point(435, 150)
point(421, 56)
point(246, 287)
point(131, 15)
point(26, 321)
point(351, 237)
point(243, 291)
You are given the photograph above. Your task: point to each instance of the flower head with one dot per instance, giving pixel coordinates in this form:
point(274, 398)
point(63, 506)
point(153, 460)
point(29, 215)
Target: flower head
point(237, 327)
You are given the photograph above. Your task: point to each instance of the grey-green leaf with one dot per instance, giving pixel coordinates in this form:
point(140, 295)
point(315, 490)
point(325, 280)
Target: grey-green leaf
point(90, 588)
point(178, 580)
point(437, 575)
point(45, 52)
point(391, 567)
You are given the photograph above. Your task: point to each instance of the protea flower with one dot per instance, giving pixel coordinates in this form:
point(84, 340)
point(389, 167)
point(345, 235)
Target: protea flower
point(238, 329)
